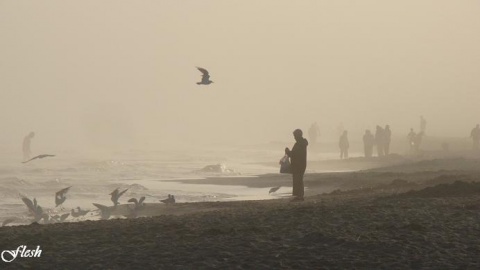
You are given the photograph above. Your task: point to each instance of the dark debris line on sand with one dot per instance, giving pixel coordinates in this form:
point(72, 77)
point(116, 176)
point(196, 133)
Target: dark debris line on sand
point(328, 231)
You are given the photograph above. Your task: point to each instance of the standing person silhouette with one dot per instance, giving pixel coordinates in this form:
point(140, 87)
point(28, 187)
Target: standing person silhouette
point(26, 145)
point(344, 145)
point(423, 125)
point(313, 133)
point(368, 143)
point(380, 141)
point(475, 135)
point(387, 137)
point(298, 156)
point(411, 139)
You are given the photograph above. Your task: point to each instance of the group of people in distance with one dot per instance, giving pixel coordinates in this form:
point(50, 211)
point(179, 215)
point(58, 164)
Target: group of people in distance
point(381, 139)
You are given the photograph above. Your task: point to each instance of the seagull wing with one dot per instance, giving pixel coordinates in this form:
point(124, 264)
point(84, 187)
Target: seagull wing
point(101, 207)
point(114, 192)
point(204, 71)
point(121, 193)
point(64, 216)
point(29, 204)
point(62, 192)
point(45, 155)
point(141, 200)
point(30, 159)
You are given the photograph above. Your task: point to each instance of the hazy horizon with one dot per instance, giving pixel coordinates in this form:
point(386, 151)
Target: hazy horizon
point(120, 73)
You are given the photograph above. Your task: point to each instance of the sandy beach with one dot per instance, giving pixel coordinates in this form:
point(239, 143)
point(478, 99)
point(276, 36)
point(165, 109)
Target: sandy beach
point(422, 215)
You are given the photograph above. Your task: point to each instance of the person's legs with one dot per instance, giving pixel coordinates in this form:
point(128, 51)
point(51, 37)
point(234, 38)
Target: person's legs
point(298, 189)
point(387, 148)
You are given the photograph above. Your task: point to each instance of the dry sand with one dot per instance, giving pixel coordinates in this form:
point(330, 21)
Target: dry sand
point(419, 216)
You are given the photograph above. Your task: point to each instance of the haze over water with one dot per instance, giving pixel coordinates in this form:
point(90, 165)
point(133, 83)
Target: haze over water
point(118, 74)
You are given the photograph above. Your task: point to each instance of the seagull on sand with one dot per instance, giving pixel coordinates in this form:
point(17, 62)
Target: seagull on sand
point(59, 219)
point(205, 77)
point(105, 212)
point(116, 195)
point(79, 212)
point(273, 189)
point(138, 203)
point(169, 200)
point(39, 156)
point(60, 196)
point(138, 206)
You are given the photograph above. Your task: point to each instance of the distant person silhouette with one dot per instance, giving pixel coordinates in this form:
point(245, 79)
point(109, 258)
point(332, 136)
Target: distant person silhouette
point(411, 139)
point(423, 125)
point(380, 141)
point(340, 129)
point(313, 133)
point(475, 135)
point(418, 141)
point(298, 156)
point(387, 138)
point(26, 145)
point(344, 145)
point(368, 143)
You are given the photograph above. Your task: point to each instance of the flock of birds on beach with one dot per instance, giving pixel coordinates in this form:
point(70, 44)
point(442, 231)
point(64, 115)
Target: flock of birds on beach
point(39, 214)
point(105, 211)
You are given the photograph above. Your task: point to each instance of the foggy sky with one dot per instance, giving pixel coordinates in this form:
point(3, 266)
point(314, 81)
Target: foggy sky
point(96, 73)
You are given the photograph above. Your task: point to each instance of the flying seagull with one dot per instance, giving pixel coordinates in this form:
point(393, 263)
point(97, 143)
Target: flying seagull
point(39, 156)
point(205, 78)
point(60, 196)
point(273, 189)
point(34, 208)
point(116, 195)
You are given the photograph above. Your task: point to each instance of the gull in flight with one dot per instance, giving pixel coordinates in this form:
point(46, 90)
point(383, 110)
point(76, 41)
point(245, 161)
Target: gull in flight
point(35, 209)
point(205, 77)
point(39, 156)
point(60, 196)
point(116, 195)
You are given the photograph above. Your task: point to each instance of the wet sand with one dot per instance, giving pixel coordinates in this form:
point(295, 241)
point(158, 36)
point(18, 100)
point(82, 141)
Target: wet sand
point(414, 216)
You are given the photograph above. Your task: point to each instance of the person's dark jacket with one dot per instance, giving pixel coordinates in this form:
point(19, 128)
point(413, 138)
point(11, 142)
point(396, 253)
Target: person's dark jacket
point(298, 156)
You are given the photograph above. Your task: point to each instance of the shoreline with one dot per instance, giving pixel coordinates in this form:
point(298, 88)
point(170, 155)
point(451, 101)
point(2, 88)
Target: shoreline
point(422, 215)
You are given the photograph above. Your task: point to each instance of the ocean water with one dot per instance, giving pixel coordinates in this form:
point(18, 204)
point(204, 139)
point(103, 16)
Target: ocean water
point(93, 176)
